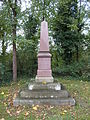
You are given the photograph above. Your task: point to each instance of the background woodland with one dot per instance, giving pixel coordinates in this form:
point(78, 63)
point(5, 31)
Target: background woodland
point(69, 36)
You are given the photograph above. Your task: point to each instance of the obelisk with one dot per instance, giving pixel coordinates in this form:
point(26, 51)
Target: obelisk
point(43, 90)
point(44, 72)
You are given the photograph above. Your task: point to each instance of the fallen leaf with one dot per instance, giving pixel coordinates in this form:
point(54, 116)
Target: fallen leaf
point(37, 105)
point(32, 105)
point(2, 119)
point(51, 107)
point(2, 93)
point(18, 111)
point(26, 113)
point(75, 93)
point(5, 104)
point(8, 111)
point(7, 95)
point(35, 108)
point(14, 96)
point(65, 111)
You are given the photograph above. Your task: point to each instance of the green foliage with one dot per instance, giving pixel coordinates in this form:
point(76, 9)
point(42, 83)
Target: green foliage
point(27, 49)
point(5, 23)
point(1, 71)
point(5, 73)
point(75, 70)
point(30, 27)
point(44, 10)
point(65, 27)
point(27, 58)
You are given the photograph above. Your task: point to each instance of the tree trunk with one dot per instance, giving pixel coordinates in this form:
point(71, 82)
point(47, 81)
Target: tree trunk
point(13, 7)
point(77, 47)
point(14, 42)
point(77, 54)
point(14, 62)
point(3, 51)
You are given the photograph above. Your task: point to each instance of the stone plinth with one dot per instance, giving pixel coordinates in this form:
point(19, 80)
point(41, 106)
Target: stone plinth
point(47, 86)
point(44, 72)
point(59, 102)
point(47, 94)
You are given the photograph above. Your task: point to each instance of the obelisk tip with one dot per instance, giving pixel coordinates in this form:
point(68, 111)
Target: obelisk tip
point(44, 42)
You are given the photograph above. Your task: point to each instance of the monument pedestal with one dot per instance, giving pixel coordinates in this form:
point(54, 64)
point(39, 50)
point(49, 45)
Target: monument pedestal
point(44, 72)
point(40, 94)
point(44, 90)
point(44, 93)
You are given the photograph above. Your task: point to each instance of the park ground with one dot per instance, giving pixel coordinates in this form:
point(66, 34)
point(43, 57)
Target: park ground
point(78, 89)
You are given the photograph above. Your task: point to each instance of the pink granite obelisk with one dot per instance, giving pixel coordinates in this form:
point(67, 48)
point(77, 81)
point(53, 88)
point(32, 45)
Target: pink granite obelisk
point(44, 72)
point(44, 90)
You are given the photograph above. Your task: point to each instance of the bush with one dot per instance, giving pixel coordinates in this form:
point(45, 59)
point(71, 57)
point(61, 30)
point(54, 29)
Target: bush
point(5, 74)
point(75, 70)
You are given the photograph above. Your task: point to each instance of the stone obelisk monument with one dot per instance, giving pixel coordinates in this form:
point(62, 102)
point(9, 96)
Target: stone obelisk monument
point(44, 90)
point(44, 72)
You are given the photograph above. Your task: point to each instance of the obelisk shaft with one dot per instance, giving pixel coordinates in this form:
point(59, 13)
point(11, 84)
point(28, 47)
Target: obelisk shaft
point(44, 42)
point(44, 72)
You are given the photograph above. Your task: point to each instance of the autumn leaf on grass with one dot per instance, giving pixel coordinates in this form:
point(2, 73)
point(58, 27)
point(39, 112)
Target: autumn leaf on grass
point(6, 95)
point(26, 113)
point(5, 104)
point(34, 107)
point(2, 119)
point(65, 111)
point(75, 93)
point(2, 93)
point(18, 111)
point(62, 113)
point(14, 96)
point(51, 107)
point(37, 106)
point(8, 111)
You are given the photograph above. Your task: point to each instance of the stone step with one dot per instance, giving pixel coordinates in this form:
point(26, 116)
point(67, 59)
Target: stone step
point(44, 94)
point(44, 86)
point(62, 102)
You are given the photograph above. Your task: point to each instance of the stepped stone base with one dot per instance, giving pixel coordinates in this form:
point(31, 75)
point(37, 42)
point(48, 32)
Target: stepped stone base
point(43, 94)
point(39, 93)
point(48, 86)
point(61, 102)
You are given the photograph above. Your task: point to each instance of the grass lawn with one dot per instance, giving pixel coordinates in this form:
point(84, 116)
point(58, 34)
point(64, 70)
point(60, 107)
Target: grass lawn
point(80, 90)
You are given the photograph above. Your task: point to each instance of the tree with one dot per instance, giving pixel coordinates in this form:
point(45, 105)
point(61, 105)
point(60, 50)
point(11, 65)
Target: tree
point(30, 27)
point(14, 25)
point(27, 48)
point(5, 30)
point(13, 10)
point(66, 28)
point(44, 10)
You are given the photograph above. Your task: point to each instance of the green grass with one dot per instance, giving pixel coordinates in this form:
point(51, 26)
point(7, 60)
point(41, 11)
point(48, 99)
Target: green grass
point(78, 89)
